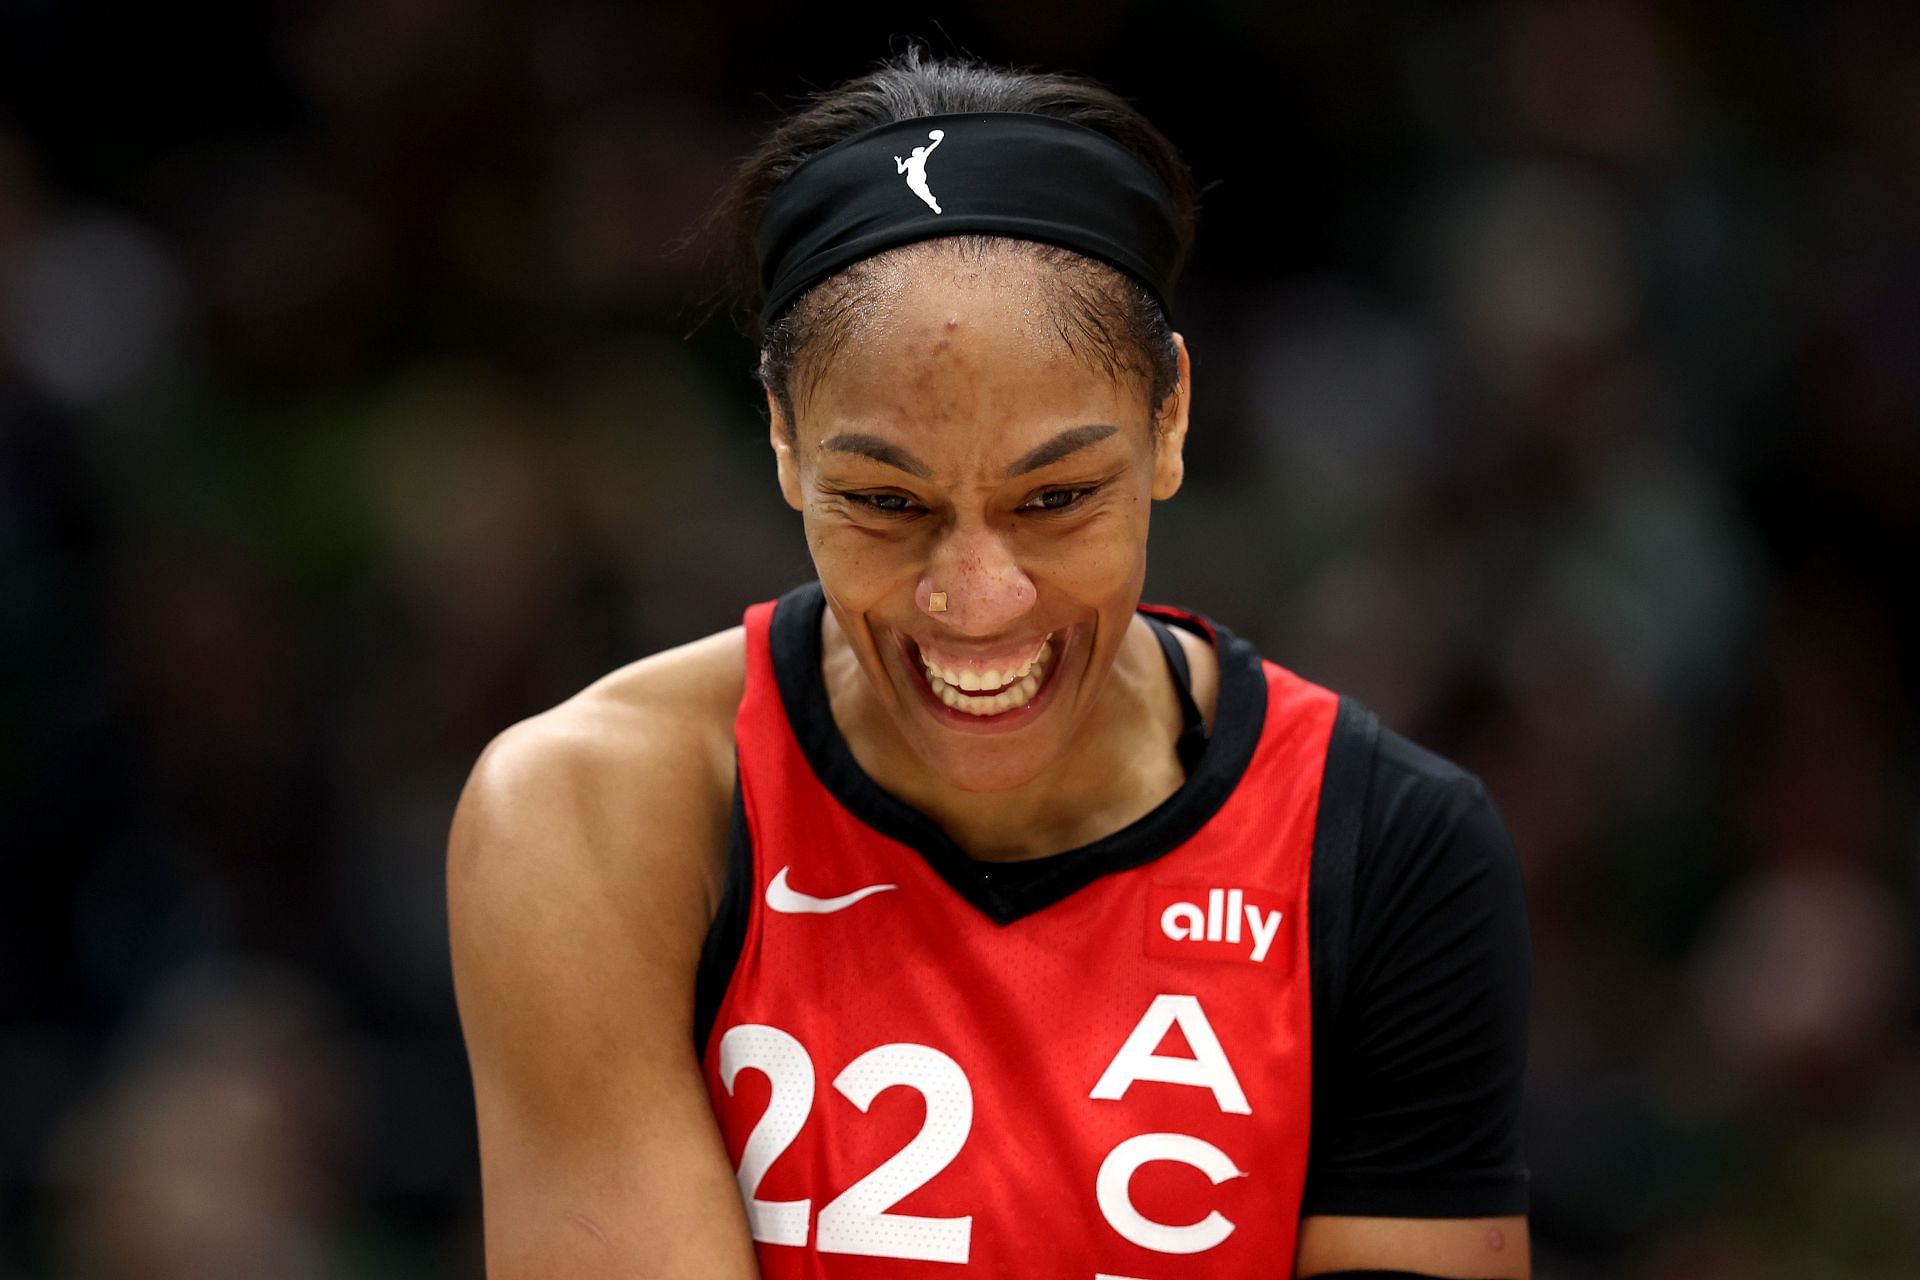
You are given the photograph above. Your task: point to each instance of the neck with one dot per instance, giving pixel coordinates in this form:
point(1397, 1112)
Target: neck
point(1116, 770)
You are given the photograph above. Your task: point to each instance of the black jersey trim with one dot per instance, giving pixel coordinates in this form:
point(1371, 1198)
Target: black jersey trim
point(727, 934)
point(1007, 891)
point(1336, 852)
point(1193, 727)
point(1344, 785)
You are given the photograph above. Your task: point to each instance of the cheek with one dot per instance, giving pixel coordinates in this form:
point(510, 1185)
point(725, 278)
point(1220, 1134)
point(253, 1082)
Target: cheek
point(1101, 557)
point(857, 568)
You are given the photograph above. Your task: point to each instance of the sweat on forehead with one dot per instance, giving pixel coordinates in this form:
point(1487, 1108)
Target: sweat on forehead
point(1067, 299)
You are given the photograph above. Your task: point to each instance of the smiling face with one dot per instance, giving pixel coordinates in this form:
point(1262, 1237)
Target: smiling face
point(955, 444)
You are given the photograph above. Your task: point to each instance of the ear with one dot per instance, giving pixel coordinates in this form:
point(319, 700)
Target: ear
point(1170, 429)
point(786, 466)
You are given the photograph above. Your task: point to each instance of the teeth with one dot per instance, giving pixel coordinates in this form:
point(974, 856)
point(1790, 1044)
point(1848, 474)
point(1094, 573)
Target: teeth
point(992, 678)
point(1023, 683)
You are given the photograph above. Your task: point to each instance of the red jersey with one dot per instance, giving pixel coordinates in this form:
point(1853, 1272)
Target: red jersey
point(1094, 1064)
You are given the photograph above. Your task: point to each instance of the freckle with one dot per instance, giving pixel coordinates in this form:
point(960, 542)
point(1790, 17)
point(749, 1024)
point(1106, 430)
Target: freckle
point(1495, 1239)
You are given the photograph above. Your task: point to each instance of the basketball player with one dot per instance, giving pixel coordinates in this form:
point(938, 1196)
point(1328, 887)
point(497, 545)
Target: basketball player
point(958, 914)
point(915, 169)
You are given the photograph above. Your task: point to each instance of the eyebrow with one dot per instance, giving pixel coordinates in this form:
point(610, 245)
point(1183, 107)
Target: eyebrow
point(1071, 440)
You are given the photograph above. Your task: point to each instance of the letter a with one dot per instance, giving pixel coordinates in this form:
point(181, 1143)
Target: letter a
point(1207, 1069)
point(1181, 921)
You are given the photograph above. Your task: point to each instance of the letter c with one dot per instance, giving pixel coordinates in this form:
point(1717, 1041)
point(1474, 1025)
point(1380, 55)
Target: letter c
point(1116, 1200)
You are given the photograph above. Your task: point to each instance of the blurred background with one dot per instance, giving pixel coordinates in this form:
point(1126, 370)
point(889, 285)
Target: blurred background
point(1557, 371)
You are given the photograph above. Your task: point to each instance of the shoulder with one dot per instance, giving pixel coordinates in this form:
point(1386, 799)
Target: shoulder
point(1412, 790)
point(668, 715)
point(1433, 855)
point(1427, 823)
point(625, 785)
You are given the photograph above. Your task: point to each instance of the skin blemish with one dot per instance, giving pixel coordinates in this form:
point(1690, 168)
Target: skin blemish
point(1496, 1239)
point(588, 1225)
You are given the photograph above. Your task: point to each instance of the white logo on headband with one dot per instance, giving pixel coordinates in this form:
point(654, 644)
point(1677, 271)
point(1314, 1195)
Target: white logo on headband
point(915, 167)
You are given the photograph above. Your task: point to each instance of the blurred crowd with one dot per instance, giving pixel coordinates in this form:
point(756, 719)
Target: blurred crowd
point(1557, 393)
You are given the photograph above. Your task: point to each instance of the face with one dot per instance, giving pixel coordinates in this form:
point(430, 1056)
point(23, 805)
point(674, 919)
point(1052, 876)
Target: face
point(956, 445)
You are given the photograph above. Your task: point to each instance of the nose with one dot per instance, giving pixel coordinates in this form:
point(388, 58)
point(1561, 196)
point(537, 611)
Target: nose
point(987, 590)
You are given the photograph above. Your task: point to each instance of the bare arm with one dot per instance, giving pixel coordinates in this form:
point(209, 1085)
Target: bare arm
point(577, 903)
point(1475, 1248)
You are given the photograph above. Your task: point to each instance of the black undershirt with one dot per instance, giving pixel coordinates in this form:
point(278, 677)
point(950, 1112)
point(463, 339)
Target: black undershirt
point(1418, 946)
point(1417, 1063)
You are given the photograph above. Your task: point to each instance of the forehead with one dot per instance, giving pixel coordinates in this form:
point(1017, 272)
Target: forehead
point(962, 351)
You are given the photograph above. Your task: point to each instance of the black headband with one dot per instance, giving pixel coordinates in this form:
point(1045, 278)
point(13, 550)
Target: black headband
point(1008, 173)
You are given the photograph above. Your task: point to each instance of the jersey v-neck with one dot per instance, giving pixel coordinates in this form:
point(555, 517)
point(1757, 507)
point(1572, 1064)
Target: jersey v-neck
point(1007, 891)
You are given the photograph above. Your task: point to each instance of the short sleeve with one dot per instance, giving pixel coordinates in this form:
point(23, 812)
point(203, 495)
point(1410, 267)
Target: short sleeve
point(1420, 1045)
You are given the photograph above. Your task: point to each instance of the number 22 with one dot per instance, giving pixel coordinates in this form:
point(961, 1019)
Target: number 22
point(856, 1221)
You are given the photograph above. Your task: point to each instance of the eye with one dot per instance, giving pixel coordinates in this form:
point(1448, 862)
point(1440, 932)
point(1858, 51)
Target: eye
point(890, 504)
point(1061, 499)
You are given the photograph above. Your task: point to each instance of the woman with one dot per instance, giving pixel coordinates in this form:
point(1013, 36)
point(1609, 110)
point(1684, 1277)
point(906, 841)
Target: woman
point(1016, 928)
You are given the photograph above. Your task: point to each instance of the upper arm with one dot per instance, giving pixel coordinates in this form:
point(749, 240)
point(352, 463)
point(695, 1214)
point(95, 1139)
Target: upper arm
point(1417, 1156)
point(577, 903)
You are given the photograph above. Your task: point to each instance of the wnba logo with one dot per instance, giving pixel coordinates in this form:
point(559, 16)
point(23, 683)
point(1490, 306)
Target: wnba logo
point(915, 167)
point(1218, 924)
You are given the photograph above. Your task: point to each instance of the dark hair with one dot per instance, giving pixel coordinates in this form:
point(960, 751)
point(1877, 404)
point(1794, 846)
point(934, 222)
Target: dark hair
point(1100, 313)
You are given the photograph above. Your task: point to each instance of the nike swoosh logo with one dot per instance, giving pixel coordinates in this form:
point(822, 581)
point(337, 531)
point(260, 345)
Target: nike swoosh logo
point(791, 901)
